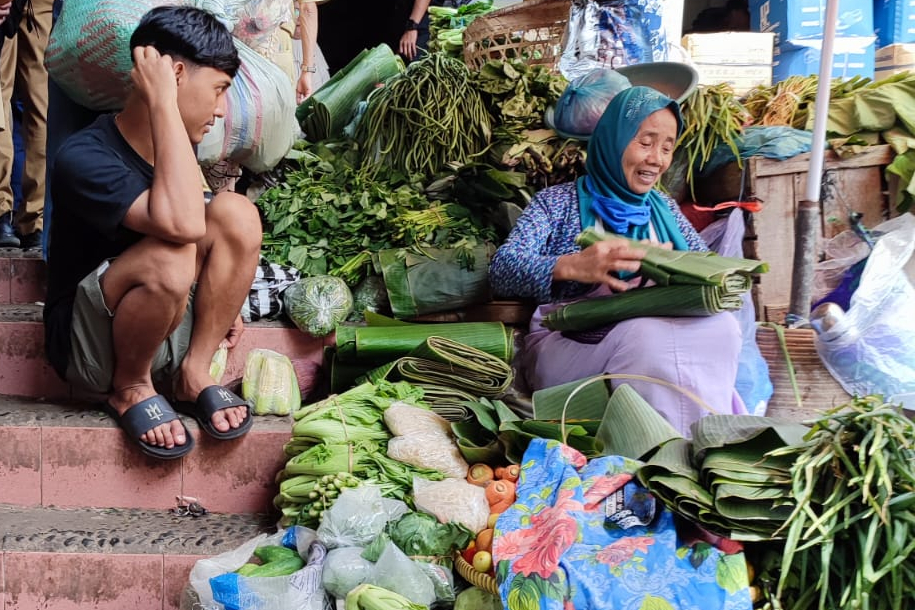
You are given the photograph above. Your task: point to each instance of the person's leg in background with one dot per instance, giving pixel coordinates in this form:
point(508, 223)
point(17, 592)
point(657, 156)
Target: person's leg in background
point(8, 238)
point(31, 86)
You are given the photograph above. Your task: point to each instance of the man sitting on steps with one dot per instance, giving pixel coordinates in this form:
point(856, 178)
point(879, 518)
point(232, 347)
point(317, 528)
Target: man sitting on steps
point(145, 278)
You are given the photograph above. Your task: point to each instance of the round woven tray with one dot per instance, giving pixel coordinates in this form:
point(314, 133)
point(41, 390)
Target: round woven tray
point(477, 579)
point(531, 31)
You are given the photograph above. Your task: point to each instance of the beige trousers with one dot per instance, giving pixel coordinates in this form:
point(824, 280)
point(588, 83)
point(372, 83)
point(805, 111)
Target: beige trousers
point(22, 71)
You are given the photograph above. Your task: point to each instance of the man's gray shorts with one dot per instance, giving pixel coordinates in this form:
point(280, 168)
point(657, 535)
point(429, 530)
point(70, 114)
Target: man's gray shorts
point(91, 362)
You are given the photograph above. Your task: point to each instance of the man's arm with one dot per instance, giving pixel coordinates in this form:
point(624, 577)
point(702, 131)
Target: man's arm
point(173, 208)
point(408, 40)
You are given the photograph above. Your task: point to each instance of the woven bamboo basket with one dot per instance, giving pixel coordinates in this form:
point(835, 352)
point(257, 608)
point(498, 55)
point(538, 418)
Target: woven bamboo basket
point(531, 31)
point(818, 389)
point(477, 579)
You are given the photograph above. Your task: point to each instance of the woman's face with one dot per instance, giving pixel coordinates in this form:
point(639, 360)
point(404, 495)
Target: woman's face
point(650, 152)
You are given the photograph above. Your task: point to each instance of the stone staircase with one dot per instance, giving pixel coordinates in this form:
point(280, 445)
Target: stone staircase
point(87, 521)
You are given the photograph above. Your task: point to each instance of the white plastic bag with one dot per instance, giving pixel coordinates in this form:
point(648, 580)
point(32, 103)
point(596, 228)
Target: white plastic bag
point(259, 127)
point(869, 350)
point(345, 569)
point(219, 588)
point(397, 572)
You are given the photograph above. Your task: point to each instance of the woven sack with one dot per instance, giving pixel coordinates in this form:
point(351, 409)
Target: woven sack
point(88, 54)
point(259, 127)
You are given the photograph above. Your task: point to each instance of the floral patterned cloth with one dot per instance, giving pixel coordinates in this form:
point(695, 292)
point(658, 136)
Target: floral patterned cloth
point(553, 550)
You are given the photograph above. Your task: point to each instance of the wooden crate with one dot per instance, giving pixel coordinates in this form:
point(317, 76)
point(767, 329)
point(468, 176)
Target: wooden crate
point(853, 184)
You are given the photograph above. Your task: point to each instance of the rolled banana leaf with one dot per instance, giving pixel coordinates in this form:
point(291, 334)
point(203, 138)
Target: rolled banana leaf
point(679, 300)
point(325, 113)
point(450, 403)
point(380, 344)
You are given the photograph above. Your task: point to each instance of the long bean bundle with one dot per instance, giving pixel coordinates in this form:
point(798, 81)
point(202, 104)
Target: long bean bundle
point(850, 541)
point(425, 118)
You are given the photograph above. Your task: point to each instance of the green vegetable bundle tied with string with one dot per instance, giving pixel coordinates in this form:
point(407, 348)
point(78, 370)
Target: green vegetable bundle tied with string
point(423, 119)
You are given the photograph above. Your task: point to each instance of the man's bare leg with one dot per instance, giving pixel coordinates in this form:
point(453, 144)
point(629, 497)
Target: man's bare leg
point(147, 288)
point(226, 261)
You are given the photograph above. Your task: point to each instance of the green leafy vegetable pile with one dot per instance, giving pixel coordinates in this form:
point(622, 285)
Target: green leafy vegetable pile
point(327, 217)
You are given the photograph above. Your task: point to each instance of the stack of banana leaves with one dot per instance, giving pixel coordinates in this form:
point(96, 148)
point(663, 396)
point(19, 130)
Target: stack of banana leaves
point(451, 362)
point(341, 442)
point(725, 479)
point(685, 284)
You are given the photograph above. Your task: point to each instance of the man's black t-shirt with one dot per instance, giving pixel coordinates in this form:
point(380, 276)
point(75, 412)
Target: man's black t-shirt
point(96, 177)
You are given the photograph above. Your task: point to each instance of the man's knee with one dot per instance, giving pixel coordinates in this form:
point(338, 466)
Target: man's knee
point(235, 220)
point(163, 268)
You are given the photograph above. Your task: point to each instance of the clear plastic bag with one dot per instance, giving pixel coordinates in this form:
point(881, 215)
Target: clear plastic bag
point(404, 419)
point(452, 500)
point(397, 572)
point(611, 34)
point(869, 350)
point(219, 588)
point(753, 383)
point(429, 450)
point(357, 517)
point(270, 383)
point(345, 569)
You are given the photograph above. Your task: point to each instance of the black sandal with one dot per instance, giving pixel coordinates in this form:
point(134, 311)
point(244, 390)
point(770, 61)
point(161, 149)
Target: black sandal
point(212, 399)
point(143, 417)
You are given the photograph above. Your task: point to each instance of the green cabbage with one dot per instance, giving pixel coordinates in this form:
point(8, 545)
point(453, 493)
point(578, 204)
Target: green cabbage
point(318, 303)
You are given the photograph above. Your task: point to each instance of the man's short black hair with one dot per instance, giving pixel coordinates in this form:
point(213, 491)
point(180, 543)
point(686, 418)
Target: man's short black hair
point(188, 33)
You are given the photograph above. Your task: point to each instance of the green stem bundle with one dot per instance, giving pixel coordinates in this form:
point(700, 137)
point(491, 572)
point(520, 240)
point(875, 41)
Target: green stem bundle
point(850, 541)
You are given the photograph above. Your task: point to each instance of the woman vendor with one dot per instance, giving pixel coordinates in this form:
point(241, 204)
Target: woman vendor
point(631, 147)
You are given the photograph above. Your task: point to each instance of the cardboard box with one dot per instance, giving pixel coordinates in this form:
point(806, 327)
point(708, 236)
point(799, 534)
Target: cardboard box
point(894, 59)
point(894, 21)
point(849, 59)
point(793, 20)
point(741, 59)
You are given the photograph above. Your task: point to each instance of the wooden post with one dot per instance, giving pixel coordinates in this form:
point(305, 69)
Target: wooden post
point(806, 230)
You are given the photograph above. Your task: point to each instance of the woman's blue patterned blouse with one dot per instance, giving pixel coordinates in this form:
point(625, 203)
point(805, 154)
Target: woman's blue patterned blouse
point(523, 266)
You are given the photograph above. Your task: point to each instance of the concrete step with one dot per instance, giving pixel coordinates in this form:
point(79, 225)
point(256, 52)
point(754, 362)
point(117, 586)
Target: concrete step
point(23, 276)
point(75, 456)
point(109, 558)
point(25, 372)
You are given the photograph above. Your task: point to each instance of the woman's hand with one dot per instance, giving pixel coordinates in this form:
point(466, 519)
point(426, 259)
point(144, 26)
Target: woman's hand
point(598, 264)
point(303, 87)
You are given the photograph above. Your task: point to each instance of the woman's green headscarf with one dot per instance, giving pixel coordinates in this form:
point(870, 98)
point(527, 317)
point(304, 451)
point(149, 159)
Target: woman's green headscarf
point(605, 189)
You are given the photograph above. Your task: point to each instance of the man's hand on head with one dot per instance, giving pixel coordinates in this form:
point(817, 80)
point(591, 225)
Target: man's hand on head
point(154, 77)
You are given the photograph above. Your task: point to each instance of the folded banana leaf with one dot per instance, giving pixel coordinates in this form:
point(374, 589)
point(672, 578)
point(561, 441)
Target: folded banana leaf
point(655, 301)
point(589, 400)
point(380, 344)
point(757, 435)
point(443, 362)
point(448, 402)
point(436, 280)
point(630, 427)
point(669, 267)
point(326, 112)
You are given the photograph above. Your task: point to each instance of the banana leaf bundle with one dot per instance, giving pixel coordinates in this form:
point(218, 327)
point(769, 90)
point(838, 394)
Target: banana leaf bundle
point(686, 284)
point(325, 113)
point(676, 267)
point(680, 300)
point(444, 362)
point(450, 403)
point(379, 343)
point(726, 480)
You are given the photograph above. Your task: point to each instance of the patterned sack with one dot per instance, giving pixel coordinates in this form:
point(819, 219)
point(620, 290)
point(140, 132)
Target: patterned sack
point(88, 54)
point(265, 300)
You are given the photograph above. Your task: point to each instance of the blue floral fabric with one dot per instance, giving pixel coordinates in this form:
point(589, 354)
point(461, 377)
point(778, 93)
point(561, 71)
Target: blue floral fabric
point(523, 265)
point(553, 550)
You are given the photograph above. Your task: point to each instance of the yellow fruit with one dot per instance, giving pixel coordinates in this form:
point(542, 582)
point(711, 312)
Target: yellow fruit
point(482, 561)
point(484, 540)
point(491, 522)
